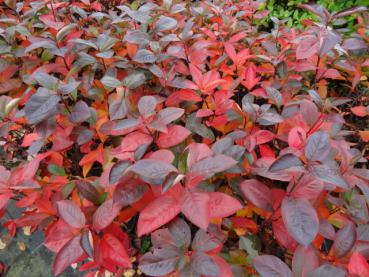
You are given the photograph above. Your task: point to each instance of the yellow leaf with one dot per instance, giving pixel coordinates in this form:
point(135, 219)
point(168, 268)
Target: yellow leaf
point(86, 169)
point(245, 212)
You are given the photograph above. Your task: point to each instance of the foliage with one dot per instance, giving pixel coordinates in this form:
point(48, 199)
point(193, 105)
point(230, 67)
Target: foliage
point(180, 139)
point(289, 11)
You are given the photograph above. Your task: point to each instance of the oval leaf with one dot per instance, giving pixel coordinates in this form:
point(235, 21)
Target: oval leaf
point(344, 240)
point(301, 220)
point(71, 213)
point(258, 194)
point(67, 255)
point(105, 214)
point(271, 266)
point(318, 146)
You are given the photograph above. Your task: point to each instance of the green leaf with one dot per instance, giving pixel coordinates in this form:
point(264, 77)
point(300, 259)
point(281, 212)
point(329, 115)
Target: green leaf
point(245, 243)
point(56, 170)
point(110, 82)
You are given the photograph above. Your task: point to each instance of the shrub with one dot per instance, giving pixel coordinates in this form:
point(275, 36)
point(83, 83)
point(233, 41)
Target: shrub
point(180, 139)
point(288, 10)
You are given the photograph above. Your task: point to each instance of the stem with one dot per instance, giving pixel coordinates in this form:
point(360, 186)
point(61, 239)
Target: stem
point(316, 72)
point(65, 103)
point(52, 9)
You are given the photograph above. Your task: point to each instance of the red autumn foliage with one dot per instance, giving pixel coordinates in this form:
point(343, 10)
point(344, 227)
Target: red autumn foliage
point(184, 139)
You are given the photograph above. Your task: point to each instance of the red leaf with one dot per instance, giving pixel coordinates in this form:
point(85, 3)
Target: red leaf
point(204, 113)
point(231, 52)
point(360, 111)
point(257, 193)
point(51, 22)
point(263, 136)
point(296, 137)
point(4, 198)
point(71, 213)
point(33, 219)
point(308, 47)
point(133, 140)
point(196, 207)
point(222, 205)
point(159, 212)
point(25, 172)
point(196, 75)
point(114, 252)
point(197, 152)
point(250, 77)
point(57, 235)
point(176, 134)
point(244, 223)
point(182, 95)
point(161, 155)
point(67, 255)
point(358, 265)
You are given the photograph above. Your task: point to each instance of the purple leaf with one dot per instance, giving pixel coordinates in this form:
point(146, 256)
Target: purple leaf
point(117, 107)
point(67, 255)
point(304, 261)
point(318, 146)
point(152, 169)
point(180, 233)
point(117, 171)
point(71, 213)
point(159, 262)
point(41, 106)
point(287, 162)
point(271, 266)
point(208, 240)
point(344, 240)
point(328, 172)
point(147, 105)
point(203, 264)
point(211, 165)
point(144, 56)
point(129, 192)
point(80, 112)
point(349, 11)
point(328, 270)
point(300, 219)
